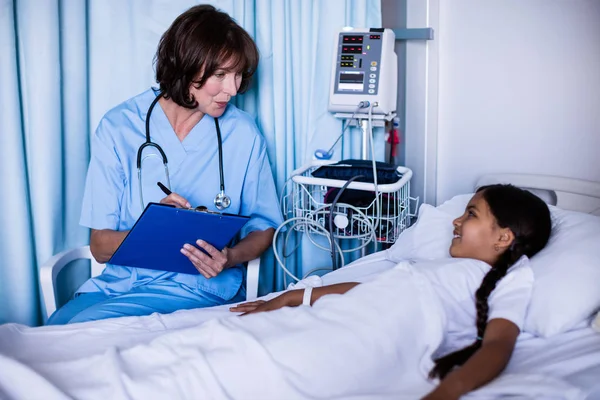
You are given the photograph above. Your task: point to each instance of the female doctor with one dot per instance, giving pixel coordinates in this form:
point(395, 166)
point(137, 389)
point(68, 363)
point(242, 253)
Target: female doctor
point(200, 146)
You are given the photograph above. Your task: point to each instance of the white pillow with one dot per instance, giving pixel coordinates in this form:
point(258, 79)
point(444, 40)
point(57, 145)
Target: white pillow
point(431, 235)
point(429, 238)
point(567, 274)
point(456, 205)
point(567, 271)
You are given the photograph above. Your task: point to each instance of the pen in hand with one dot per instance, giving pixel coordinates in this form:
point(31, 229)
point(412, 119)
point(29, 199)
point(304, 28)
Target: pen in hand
point(179, 201)
point(163, 188)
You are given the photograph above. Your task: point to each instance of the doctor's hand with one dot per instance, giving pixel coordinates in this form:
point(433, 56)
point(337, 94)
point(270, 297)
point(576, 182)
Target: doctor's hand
point(209, 265)
point(176, 200)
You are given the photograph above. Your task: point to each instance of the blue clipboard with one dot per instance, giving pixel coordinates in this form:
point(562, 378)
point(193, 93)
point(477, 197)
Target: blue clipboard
point(157, 237)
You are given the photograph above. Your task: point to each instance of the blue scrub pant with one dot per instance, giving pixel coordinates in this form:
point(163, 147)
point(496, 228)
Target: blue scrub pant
point(137, 302)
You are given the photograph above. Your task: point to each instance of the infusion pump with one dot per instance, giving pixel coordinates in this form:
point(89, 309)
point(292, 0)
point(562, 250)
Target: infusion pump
point(365, 68)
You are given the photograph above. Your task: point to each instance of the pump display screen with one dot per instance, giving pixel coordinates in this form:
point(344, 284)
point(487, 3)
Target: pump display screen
point(351, 81)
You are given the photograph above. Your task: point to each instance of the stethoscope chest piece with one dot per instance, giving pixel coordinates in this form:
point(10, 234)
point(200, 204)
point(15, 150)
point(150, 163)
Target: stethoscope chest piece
point(222, 201)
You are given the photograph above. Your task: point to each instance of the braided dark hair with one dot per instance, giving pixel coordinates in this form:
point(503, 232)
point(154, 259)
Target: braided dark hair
point(528, 217)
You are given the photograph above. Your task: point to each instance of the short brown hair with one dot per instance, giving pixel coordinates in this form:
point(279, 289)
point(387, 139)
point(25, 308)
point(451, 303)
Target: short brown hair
point(198, 42)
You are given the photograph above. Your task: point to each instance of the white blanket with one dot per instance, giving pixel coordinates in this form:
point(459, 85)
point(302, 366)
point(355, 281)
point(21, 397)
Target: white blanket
point(374, 342)
point(351, 341)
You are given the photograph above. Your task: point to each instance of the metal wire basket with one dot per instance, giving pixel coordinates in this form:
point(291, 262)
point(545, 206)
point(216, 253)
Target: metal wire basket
point(359, 216)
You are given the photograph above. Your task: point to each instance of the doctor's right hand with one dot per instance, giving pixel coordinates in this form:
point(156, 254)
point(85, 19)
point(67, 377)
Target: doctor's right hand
point(176, 200)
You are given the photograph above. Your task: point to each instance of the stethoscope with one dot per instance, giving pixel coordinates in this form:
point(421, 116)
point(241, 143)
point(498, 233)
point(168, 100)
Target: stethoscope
point(222, 201)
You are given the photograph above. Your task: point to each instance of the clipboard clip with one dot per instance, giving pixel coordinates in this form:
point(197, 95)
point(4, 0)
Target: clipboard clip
point(204, 209)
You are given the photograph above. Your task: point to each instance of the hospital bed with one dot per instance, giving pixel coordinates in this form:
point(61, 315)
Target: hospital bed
point(561, 366)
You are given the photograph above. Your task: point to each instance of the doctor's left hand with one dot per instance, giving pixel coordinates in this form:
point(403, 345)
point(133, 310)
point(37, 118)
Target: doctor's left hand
point(208, 265)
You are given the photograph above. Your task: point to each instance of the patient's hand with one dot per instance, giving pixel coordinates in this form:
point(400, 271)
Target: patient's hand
point(287, 299)
point(292, 298)
point(249, 307)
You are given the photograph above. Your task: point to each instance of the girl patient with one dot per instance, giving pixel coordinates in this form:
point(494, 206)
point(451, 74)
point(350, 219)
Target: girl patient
point(485, 303)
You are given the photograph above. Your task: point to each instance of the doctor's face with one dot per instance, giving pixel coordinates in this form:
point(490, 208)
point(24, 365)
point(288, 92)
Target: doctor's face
point(216, 92)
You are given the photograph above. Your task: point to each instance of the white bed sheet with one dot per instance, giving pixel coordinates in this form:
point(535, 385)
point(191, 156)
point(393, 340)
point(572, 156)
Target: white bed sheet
point(68, 342)
point(340, 348)
point(566, 366)
point(569, 361)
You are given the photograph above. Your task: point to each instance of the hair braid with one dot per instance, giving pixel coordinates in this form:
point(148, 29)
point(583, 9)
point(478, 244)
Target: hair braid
point(445, 364)
point(488, 284)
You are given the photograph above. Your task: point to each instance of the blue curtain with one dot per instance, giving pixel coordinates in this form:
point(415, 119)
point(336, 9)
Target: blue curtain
point(63, 64)
point(43, 143)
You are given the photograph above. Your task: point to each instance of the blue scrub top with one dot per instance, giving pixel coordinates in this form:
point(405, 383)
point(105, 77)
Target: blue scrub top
point(112, 200)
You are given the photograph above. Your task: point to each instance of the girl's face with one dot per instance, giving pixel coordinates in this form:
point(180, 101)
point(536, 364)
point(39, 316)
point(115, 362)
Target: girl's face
point(477, 234)
point(216, 92)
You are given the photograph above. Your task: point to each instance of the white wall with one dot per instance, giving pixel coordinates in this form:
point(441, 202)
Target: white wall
point(421, 105)
point(519, 90)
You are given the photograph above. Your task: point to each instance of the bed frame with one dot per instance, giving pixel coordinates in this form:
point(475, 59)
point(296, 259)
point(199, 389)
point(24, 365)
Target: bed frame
point(567, 193)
